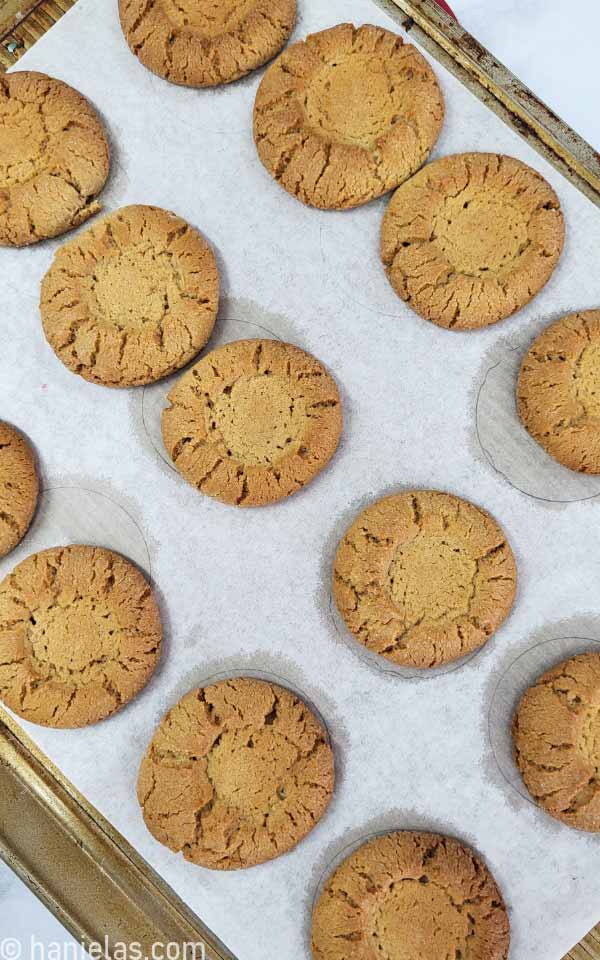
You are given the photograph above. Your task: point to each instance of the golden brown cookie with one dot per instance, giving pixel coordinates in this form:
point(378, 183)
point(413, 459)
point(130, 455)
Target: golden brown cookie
point(132, 299)
point(54, 158)
point(253, 421)
point(18, 487)
point(411, 896)
point(558, 392)
point(80, 635)
point(201, 43)
point(556, 735)
point(423, 577)
point(346, 115)
point(471, 238)
point(237, 773)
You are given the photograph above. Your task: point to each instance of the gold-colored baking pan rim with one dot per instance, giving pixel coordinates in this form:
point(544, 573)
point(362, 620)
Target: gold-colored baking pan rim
point(23, 22)
point(49, 833)
point(84, 871)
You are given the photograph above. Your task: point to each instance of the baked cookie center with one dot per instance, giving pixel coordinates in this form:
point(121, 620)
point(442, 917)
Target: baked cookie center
point(211, 18)
point(258, 419)
point(480, 236)
point(23, 146)
point(587, 380)
point(248, 770)
point(354, 101)
point(589, 740)
point(417, 920)
point(132, 289)
point(432, 578)
point(67, 642)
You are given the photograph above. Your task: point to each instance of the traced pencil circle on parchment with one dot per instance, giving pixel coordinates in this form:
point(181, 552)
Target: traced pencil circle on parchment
point(68, 514)
point(521, 674)
point(349, 245)
point(386, 667)
point(507, 446)
point(154, 396)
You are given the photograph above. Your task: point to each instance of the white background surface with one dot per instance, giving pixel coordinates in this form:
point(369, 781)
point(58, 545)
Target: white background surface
point(551, 45)
point(542, 44)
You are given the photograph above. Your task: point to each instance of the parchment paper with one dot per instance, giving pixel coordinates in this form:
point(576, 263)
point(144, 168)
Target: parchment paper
point(250, 589)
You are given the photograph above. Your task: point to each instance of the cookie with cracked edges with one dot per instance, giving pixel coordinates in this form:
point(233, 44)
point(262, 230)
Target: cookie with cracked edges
point(558, 391)
point(471, 239)
point(131, 300)
point(54, 158)
point(237, 773)
point(423, 578)
point(346, 115)
point(426, 892)
point(19, 486)
point(556, 738)
point(80, 635)
point(253, 422)
point(203, 43)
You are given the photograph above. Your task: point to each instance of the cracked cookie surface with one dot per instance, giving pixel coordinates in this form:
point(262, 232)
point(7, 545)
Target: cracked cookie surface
point(423, 578)
point(252, 422)
point(237, 773)
point(410, 896)
point(346, 115)
point(54, 158)
point(556, 737)
point(80, 635)
point(132, 299)
point(471, 238)
point(19, 487)
point(202, 43)
point(558, 391)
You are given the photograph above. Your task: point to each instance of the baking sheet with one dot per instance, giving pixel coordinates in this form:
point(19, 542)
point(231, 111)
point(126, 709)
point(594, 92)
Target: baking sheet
point(250, 589)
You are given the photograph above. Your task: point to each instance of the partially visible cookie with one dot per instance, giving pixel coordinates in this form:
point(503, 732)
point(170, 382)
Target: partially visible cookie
point(411, 896)
point(423, 578)
point(346, 115)
point(237, 773)
point(471, 238)
point(253, 421)
point(556, 736)
point(54, 158)
point(200, 43)
point(18, 487)
point(132, 299)
point(558, 392)
point(80, 635)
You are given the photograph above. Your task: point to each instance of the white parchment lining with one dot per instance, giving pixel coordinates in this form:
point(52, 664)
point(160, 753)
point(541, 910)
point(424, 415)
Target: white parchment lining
point(251, 588)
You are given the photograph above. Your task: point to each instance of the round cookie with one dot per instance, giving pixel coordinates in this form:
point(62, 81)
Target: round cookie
point(556, 737)
point(410, 896)
point(132, 299)
point(346, 115)
point(471, 238)
point(202, 43)
point(558, 391)
point(54, 158)
point(423, 578)
point(253, 421)
point(18, 487)
point(237, 773)
point(80, 635)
